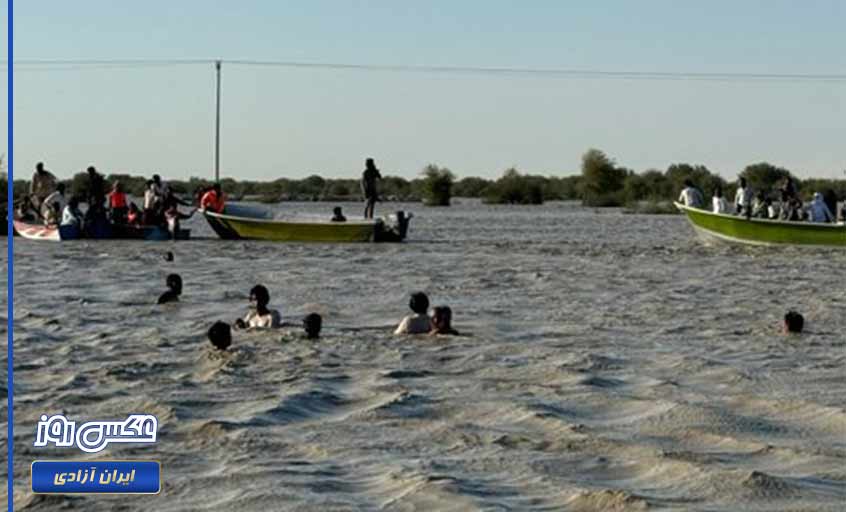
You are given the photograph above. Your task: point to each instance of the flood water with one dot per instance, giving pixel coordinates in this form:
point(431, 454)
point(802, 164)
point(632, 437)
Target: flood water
point(610, 362)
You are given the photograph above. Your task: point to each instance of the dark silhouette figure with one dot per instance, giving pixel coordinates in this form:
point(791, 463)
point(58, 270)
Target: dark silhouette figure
point(312, 324)
point(369, 187)
point(174, 285)
point(220, 335)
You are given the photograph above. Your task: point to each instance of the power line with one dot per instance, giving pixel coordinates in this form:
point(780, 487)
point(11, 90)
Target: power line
point(562, 73)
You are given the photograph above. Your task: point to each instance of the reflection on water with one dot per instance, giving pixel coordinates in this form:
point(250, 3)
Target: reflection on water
point(614, 361)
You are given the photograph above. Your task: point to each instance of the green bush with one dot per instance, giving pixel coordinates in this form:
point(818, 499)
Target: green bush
point(437, 185)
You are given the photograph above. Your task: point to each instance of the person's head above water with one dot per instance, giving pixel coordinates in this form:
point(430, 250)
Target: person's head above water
point(174, 282)
point(168, 256)
point(312, 324)
point(220, 335)
point(337, 211)
point(419, 303)
point(442, 318)
point(260, 296)
point(793, 322)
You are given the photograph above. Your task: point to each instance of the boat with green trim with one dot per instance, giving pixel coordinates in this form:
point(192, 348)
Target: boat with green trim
point(739, 229)
point(238, 222)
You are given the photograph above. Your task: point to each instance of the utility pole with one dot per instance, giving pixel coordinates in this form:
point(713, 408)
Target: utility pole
point(217, 129)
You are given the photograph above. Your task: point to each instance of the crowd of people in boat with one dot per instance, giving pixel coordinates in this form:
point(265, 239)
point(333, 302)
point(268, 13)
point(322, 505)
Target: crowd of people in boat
point(261, 316)
point(48, 203)
point(760, 205)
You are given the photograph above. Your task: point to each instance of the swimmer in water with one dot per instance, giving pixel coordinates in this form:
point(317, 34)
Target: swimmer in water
point(312, 324)
point(442, 321)
point(168, 256)
point(260, 316)
point(220, 335)
point(174, 285)
point(417, 323)
point(793, 323)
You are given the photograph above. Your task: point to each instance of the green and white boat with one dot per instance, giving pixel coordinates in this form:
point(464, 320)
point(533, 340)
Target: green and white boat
point(738, 229)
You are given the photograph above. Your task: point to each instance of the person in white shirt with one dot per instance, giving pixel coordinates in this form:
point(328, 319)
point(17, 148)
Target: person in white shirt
point(818, 210)
point(259, 316)
point(418, 322)
point(719, 202)
point(691, 196)
point(71, 216)
point(743, 198)
point(58, 196)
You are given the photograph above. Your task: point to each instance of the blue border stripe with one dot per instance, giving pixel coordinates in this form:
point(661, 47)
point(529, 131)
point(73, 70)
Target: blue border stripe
point(10, 309)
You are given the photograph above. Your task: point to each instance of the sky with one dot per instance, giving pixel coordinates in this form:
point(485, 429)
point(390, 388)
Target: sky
point(293, 122)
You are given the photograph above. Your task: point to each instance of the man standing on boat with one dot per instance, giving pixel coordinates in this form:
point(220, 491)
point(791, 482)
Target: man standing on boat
point(42, 185)
point(743, 198)
point(369, 188)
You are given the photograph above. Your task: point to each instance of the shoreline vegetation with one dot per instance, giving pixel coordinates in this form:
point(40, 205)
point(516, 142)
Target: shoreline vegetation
point(601, 183)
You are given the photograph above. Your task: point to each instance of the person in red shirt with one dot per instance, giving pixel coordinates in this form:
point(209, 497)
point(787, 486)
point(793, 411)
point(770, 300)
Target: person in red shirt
point(213, 199)
point(118, 204)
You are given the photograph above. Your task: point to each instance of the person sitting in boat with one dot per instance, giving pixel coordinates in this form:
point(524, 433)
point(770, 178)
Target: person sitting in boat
point(791, 208)
point(174, 289)
point(213, 199)
point(691, 196)
point(49, 203)
point(53, 214)
point(418, 322)
point(338, 215)
point(259, 316)
point(818, 211)
point(743, 199)
point(133, 215)
point(71, 216)
point(760, 209)
point(25, 211)
point(772, 210)
point(312, 324)
point(42, 185)
point(719, 202)
point(118, 204)
point(442, 321)
point(173, 216)
point(162, 188)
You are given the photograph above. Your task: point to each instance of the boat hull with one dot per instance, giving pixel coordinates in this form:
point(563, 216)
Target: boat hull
point(737, 229)
point(103, 232)
point(238, 226)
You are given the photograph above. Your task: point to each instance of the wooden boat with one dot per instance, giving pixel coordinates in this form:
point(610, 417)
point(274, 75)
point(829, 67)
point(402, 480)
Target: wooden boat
point(739, 229)
point(242, 222)
point(101, 232)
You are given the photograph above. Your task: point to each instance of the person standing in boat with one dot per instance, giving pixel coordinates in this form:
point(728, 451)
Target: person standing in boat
point(691, 196)
point(213, 199)
point(118, 204)
point(71, 216)
point(42, 185)
point(743, 198)
point(369, 187)
point(96, 189)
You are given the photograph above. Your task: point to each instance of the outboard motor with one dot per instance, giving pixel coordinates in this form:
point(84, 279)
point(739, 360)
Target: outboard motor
point(395, 229)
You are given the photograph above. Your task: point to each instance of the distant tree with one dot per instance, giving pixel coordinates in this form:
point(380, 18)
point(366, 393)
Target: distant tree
point(437, 185)
point(765, 177)
point(471, 187)
point(602, 180)
point(514, 188)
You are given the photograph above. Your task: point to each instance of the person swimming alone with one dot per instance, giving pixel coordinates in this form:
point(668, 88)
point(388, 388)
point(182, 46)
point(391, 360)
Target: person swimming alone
point(793, 323)
point(312, 324)
point(220, 335)
point(442, 321)
point(417, 323)
point(174, 285)
point(259, 316)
